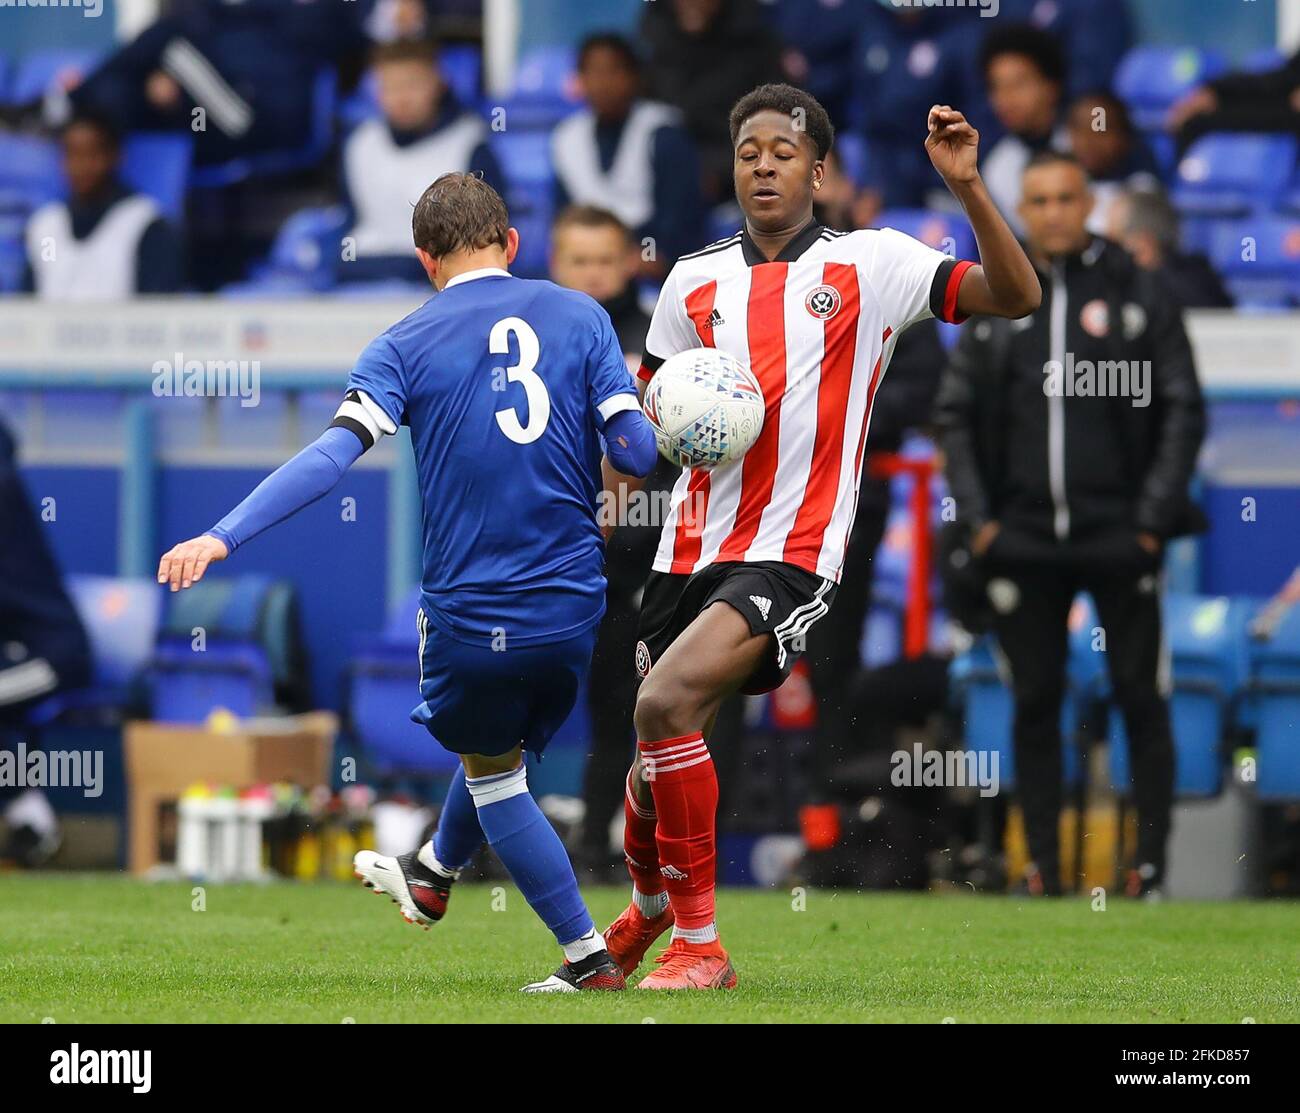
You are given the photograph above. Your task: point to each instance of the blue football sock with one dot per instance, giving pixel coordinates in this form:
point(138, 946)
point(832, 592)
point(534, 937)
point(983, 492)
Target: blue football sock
point(531, 850)
point(459, 834)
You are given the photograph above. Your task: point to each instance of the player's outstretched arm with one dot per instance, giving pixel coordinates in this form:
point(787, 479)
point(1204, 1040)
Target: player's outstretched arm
point(1004, 284)
point(311, 474)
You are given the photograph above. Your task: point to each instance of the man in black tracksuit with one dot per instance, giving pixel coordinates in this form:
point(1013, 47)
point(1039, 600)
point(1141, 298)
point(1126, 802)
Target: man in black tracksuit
point(1070, 438)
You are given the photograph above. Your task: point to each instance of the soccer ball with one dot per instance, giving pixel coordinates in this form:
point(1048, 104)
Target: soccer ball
point(705, 408)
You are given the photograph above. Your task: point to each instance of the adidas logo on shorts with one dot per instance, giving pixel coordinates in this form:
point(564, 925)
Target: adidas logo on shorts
point(763, 605)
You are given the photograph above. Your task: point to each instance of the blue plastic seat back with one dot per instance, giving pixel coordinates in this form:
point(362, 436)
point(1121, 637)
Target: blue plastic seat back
point(231, 675)
point(1275, 707)
point(942, 231)
point(157, 164)
point(1151, 78)
point(37, 72)
point(1234, 173)
point(121, 617)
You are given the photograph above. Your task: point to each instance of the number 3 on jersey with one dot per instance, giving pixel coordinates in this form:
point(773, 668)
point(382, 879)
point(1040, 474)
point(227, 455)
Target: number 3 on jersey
point(539, 402)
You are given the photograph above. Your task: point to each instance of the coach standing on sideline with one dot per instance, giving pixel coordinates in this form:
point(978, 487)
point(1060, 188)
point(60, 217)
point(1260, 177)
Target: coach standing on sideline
point(1070, 438)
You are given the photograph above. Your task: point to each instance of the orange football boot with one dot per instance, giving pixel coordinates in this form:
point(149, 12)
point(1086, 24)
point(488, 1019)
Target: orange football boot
point(629, 937)
point(692, 966)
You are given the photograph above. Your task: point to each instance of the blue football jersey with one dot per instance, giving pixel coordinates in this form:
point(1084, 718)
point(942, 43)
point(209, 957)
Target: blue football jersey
point(506, 385)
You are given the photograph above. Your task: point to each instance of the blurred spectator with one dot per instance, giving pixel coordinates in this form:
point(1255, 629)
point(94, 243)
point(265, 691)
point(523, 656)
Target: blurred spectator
point(104, 243)
point(703, 56)
point(249, 64)
point(1024, 73)
point(593, 251)
point(1094, 33)
point(1147, 225)
point(387, 162)
point(1069, 483)
point(1240, 102)
point(629, 155)
point(1101, 137)
point(906, 59)
point(43, 650)
point(819, 38)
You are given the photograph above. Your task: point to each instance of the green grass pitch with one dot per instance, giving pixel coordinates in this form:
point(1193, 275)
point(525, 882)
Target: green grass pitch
point(91, 948)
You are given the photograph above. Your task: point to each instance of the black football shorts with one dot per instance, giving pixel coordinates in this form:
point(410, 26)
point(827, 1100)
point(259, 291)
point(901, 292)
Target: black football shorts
point(775, 598)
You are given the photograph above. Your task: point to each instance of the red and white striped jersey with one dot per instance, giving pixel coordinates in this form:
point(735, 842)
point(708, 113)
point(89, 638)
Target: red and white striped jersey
point(816, 326)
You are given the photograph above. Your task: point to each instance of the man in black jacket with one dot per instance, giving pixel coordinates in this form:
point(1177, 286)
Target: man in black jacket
point(1070, 438)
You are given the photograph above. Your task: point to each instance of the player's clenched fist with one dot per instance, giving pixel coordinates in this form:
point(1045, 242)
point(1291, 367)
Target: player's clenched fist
point(953, 145)
point(184, 564)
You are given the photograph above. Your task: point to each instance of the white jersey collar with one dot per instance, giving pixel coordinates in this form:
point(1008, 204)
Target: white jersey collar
point(469, 276)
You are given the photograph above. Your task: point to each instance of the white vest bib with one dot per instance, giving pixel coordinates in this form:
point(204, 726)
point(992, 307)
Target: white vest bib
point(385, 180)
point(102, 267)
point(627, 188)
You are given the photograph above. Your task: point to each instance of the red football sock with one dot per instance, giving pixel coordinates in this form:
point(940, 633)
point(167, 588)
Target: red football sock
point(685, 789)
point(639, 848)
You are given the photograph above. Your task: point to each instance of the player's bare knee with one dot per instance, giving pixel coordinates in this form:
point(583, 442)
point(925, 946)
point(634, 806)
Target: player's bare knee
point(665, 709)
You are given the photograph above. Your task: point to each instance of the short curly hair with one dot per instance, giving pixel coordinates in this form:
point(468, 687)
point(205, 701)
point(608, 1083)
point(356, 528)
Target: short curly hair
point(789, 101)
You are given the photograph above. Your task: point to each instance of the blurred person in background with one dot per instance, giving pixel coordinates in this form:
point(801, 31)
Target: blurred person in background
point(1147, 225)
point(250, 65)
point(1064, 488)
point(1100, 135)
point(593, 251)
point(629, 155)
point(1095, 35)
point(1267, 101)
point(105, 242)
point(905, 60)
point(818, 47)
point(1024, 74)
point(43, 650)
point(703, 56)
point(424, 132)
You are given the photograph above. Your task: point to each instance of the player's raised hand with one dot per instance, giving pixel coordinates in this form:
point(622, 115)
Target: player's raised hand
point(184, 564)
point(953, 145)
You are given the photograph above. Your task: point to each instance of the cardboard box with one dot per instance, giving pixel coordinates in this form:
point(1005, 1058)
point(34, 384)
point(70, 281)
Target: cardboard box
point(164, 759)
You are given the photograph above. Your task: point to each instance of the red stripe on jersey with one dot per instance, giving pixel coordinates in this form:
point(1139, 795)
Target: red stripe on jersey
point(766, 330)
point(950, 313)
point(691, 513)
point(699, 307)
point(839, 349)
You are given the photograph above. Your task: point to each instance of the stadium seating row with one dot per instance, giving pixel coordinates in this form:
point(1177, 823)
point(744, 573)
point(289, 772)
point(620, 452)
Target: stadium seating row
point(1227, 686)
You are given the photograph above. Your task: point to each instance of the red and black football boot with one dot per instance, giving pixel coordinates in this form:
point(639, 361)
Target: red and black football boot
point(595, 972)
point(420, 894)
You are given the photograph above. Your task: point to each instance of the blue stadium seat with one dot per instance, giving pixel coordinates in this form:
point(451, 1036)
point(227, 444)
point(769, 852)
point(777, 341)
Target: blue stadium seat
point(249, 625)
point(1275, 705)
point(525, 159)
point(1259, 259)
point(1151, 78)
point(851, 150)
point(316, 146)
point(38, 70)
point(988, 713)
point(308, 246)
point(158, 164)
point(1232, 174)
point(547, 71)
point(943, 231)
point(30, 171)
point(1207, 642)
point(121, 618)
point(383, 687)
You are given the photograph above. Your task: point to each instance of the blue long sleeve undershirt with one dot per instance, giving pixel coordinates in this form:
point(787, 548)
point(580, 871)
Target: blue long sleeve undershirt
point(630, 443)
point(317, 469)
point(310, 475)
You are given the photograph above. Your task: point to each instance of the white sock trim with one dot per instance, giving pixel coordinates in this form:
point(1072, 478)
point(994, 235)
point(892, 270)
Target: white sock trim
point(429, 859)
point(696, 935)
point(591, 943)
point(650, 905)
point(497, 787)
